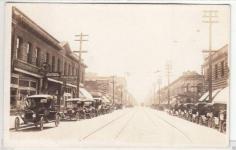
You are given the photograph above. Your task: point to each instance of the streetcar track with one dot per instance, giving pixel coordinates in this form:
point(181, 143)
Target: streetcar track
point(125, 125)
point(105, 125)
point(170, 124)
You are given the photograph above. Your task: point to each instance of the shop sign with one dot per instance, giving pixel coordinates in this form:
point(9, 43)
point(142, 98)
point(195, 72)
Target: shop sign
point(53, 74)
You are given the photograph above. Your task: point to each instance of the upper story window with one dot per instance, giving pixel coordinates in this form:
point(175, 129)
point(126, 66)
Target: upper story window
point(73, 68)
point(53, 63)
point(37, 56)
point(29, 52)
point(58, 65)
point(47, 58)
point(19, 43)
point(207, 74)
point(65, 68)
point(222, 68)
point(69, 69)
point(216, 71)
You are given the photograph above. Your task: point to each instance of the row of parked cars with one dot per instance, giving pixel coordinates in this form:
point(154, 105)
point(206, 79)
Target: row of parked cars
point(208, 114)
point(41, 109)
point(211, 114)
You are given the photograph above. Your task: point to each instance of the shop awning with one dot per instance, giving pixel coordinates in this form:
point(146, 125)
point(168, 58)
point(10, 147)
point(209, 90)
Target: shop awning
point(105, 99)
point(222, 97)
point(56, 81)
point(204, 97)
point(85, 95)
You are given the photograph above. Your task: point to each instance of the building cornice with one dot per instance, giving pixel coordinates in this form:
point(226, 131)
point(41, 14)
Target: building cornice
point(20, 18)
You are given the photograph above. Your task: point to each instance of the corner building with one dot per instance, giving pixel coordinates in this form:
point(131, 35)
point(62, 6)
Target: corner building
point(40, 64)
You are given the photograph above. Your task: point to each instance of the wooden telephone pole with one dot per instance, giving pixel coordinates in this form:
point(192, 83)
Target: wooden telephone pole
point(168, 71)
point(210, 15)
point(81, 40)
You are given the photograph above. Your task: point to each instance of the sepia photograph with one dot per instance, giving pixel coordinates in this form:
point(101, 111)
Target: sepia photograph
point(117, 75)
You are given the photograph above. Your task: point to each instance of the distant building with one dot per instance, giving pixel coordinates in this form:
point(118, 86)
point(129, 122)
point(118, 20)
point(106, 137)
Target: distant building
point(187, 88)
point(40, 63)
point(104, 85)
point(220, 68)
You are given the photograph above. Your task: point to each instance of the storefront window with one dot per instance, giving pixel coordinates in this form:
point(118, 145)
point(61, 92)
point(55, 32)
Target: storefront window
point(24, 83)
point(14, 80)
point(33, 84)
point(53, 63)
point(222, 69)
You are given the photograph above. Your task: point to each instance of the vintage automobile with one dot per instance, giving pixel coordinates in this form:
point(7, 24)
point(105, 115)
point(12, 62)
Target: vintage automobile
point(197, 111)
point(98, 105)
point(39, 109)
point(98, 98)
point(107, 106)
point(73, 109)
point(219, 116)
point(205, 114)
point(187, 108)
point(89, 108)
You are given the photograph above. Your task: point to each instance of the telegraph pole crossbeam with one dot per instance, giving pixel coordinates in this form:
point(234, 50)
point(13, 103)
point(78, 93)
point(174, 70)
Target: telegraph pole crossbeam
point(80, 51)
point(210, 15)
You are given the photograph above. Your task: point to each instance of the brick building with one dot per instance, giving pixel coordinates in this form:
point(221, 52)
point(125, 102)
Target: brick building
point(187, 88)
point(104, 85)
point(40, 63)
point(220, 68)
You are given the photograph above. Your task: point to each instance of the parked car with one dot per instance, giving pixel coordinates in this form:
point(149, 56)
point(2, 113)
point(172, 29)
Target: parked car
point(89, 108)
point(39, 109)
point(219, 114)
point(205, 114)
point(98, 105)
point(187, 108)
point(72, 109)
point(197, 111)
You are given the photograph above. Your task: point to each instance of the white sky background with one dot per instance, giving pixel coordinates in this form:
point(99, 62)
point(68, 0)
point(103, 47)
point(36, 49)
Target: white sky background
point(138, 39)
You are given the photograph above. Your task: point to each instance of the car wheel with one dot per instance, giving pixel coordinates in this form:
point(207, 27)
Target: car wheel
point(57, 120)
point(41, 123)
point(224, 127)
point(17, 123)
point(77, 116)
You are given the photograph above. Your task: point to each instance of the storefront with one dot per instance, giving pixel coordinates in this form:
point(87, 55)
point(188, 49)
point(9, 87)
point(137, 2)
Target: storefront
point(22, 85)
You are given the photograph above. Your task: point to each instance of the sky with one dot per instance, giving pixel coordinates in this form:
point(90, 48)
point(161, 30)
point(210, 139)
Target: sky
point(135, 39)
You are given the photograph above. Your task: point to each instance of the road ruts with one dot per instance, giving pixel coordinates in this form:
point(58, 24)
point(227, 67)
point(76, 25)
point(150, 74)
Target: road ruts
point(105, 125)
point(168, 123)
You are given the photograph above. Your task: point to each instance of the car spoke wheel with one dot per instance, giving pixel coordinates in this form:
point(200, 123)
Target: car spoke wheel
point(17, 123)
point(41, 123)
point(77, 116)
point(224, 127)
point(57, 120)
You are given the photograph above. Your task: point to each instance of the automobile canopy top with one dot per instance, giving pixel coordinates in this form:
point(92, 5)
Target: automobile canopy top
point(41, 96)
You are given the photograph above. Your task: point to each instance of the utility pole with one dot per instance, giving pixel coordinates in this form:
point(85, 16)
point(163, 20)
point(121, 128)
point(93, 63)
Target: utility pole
point(113, 89)
point(168, 71)
point(121, 95)
point(210, 15)
point(81, 40)
point(159, 86)
point(159, 89)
